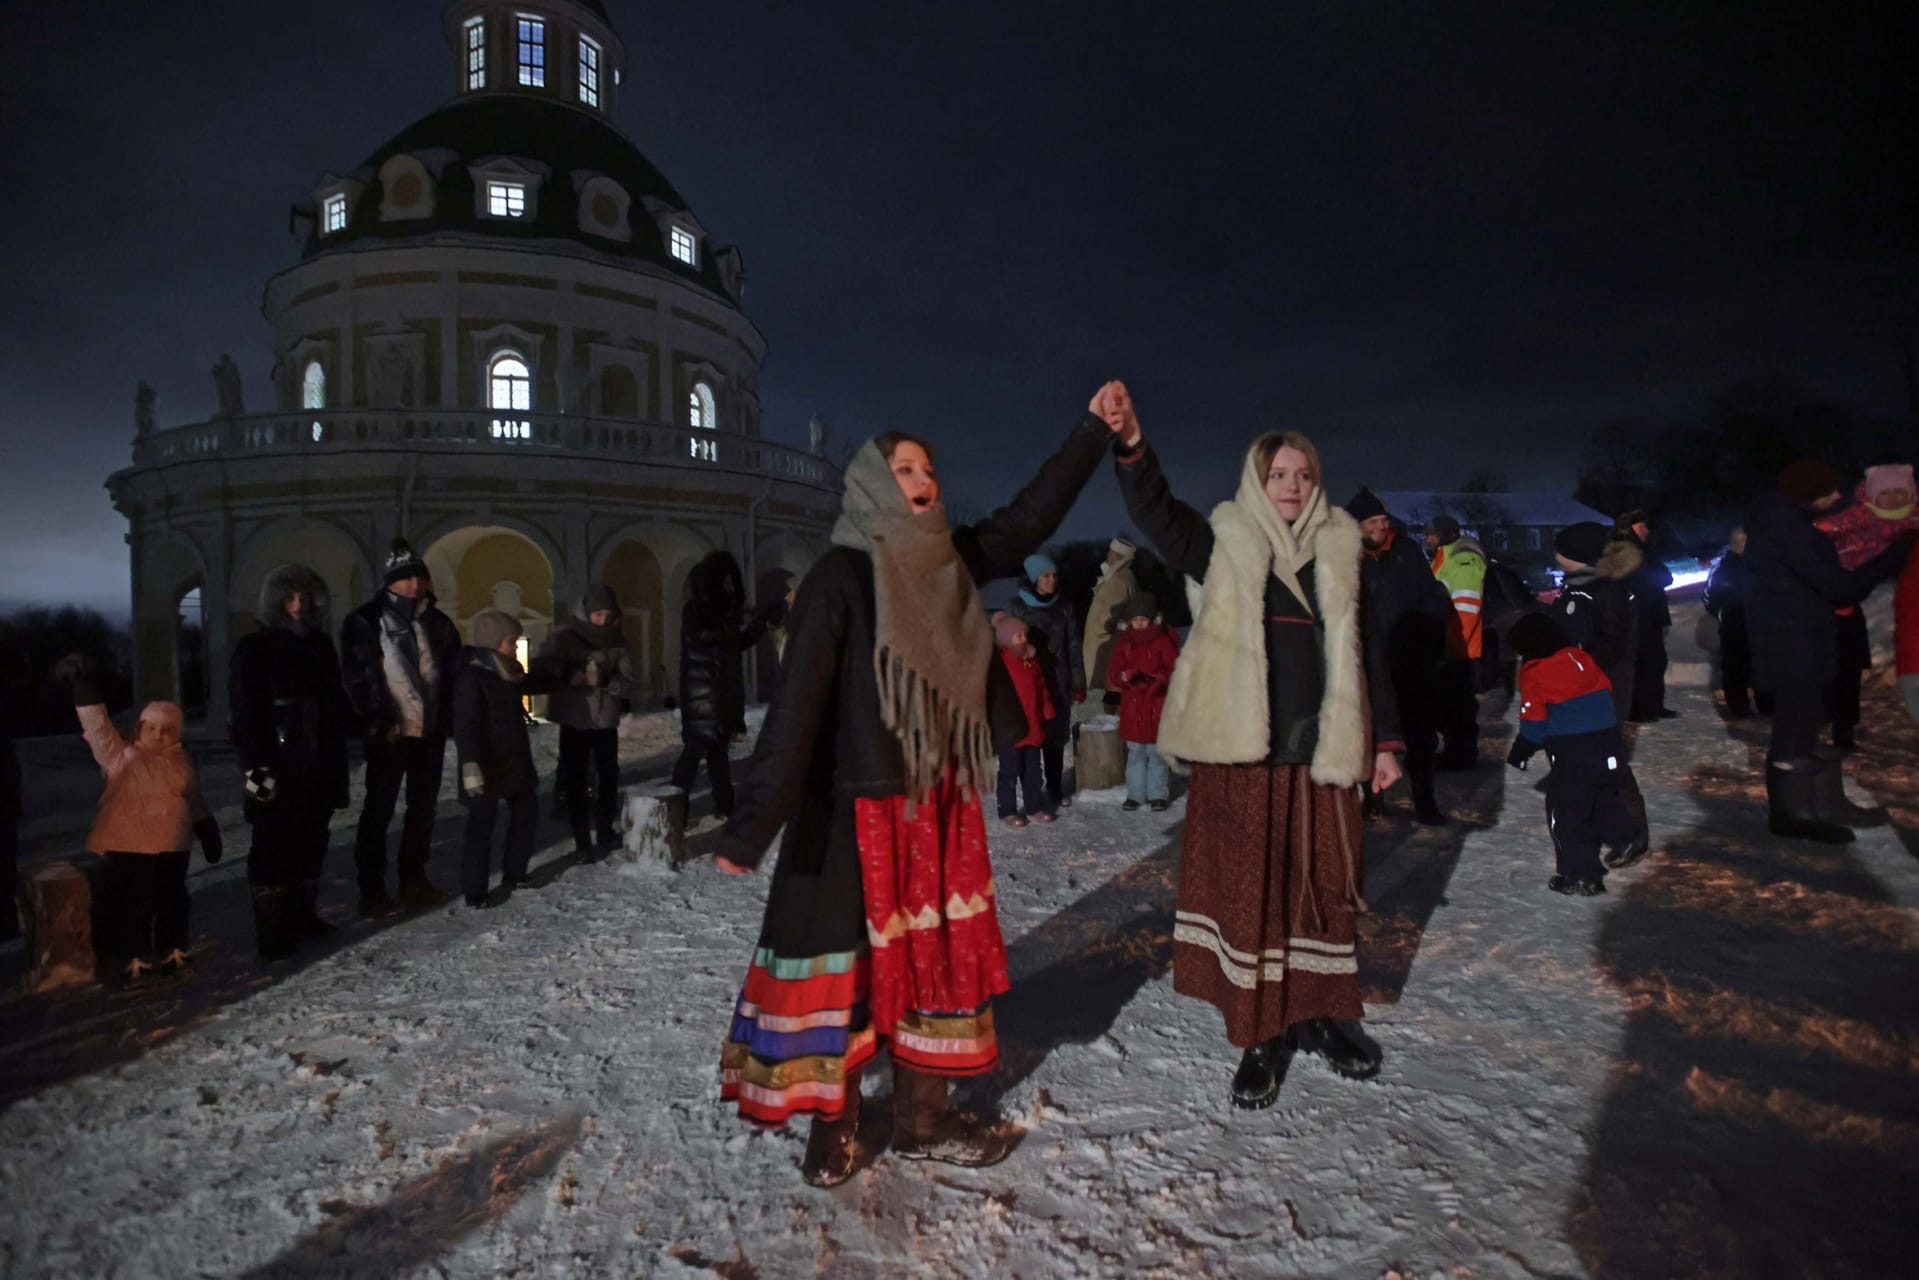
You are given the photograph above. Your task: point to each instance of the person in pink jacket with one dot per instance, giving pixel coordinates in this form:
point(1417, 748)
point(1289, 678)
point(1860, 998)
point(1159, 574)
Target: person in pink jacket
point(150, 808)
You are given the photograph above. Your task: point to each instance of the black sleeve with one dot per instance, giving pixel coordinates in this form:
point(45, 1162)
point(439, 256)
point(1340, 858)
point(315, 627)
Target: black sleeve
point(997, 546)
point(469, 715)
point(1387, 734)
point(1849, 586)
point(360, 667)
point(795, 723)
point(250, 706)
point(1180, 534)
point(1609, 631)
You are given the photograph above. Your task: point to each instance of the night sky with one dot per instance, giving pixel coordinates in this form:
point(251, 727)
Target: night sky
point(1432, 235)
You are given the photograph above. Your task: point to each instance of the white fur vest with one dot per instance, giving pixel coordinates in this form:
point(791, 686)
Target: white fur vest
point(1216, 708)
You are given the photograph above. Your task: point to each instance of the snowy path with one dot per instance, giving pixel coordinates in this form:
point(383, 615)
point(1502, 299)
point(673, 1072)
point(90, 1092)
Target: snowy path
point(1709, 1071)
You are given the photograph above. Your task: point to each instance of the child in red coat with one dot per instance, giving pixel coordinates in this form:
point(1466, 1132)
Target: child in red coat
point(1139, 670)
point(1020, 764)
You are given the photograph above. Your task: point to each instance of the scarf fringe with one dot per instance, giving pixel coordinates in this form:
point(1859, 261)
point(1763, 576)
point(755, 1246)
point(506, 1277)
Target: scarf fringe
point(933, 733)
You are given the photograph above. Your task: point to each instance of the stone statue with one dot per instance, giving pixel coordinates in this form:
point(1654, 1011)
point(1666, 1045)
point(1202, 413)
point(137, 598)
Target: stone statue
point(820, 431)
point(226, 385)
point(143, 412)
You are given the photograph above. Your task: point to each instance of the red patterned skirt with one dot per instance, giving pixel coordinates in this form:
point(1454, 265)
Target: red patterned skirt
point(1269, 898)
point(923, 984)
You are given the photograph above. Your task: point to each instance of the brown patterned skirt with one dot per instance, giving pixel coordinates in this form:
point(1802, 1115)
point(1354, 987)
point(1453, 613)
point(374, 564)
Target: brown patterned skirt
point(1269, 898)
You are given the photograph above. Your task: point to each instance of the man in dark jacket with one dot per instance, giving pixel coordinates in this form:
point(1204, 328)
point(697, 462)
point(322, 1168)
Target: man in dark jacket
point(1652, 618)
point(1053, 630)
point(1595, 607)
point(713, 636)
point(398, 652)
point(288, 727)
point(1797, 582)
point(1728, 588)
point(588, 656)
point(1410, 609)
point(496, 758)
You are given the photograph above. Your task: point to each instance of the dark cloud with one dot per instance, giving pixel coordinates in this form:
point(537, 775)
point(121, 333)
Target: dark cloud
point(1432, 234)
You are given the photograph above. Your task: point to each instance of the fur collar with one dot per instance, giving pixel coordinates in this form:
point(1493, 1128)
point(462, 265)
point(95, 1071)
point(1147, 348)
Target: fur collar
point(1216, 708)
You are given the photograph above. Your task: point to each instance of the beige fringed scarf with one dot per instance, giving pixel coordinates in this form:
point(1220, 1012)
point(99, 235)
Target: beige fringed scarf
point(931, 646)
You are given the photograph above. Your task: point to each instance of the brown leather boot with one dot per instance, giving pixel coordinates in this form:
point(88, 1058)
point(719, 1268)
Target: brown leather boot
point(834, 1151)
point(925, 1128)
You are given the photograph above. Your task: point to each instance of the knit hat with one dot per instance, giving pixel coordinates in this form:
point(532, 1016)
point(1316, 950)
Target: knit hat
point(1536, 636)
point(1888, 476)
point(490, 626)
point(1625, 520)
point(599, 596)
point(1583, 543)
point(1445, 528)
point(403, 562)
point(1804, 482)
point(1008, 630)
point(1364, 505)
point(1121, 547)
point(1140, 604)
point(1037, 563)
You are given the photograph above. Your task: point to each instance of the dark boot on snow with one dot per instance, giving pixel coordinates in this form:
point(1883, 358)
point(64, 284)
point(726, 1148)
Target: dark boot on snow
point(1577, 886)
point(1345, 1046)
point(926, 1128)
point(275, 926)
point(1262, 1069)
point(307, 905)
point(834, 1151)
point(1792, 803)
point(1831, 793)
point(1633, 851)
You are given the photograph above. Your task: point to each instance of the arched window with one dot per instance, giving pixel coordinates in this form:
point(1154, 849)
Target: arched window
point(700, 409)
point(313, 386)
point(509, 392)
point(619, 393)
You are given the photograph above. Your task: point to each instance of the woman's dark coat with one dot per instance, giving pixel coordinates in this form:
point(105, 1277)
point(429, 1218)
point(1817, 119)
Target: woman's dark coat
point(824, 745)
point(713, 637)
point(287, 713)
point(1797, 582)
point(489, 722)
point(1054, 632)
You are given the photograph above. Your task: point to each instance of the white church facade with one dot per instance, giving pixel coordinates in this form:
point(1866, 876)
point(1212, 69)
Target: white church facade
point(507, 339)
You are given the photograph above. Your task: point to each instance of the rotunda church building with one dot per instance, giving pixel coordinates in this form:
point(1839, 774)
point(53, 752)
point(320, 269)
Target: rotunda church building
point(507, 339)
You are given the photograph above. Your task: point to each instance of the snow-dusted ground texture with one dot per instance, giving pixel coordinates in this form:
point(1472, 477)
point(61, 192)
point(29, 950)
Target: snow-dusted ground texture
point(1712, 1070)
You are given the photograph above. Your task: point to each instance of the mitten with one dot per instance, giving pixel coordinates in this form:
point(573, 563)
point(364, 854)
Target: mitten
point(472, 780)
point(207, 831)
point(261, 785)
point(1521, 753)
point(81, 674)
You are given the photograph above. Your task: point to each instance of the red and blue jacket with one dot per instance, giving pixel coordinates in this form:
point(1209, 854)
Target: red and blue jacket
point(1566, 706)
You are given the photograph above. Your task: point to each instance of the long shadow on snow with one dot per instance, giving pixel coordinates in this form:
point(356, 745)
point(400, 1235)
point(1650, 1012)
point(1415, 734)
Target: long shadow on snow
point(1763, 1117)
point(48, 1039)
point(428, 1216)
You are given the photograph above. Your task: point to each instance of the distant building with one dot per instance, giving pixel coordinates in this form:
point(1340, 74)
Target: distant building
point(508, 339)
point(1517, 526)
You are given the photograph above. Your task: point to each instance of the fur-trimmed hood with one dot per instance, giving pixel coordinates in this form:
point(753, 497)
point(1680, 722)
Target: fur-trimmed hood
point(1621, 560)
point(281, 584)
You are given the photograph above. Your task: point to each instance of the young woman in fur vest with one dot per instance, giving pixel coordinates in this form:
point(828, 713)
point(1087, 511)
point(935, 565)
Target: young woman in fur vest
point(880, 929)
point(1269, 707)
point(148, 812)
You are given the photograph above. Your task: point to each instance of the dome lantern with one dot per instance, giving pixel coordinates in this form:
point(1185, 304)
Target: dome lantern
point(560, 50)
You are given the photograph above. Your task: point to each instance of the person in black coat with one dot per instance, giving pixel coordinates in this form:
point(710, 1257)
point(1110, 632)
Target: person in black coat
point(288, 724)
point(1594, 607)
point(496, 758)
point(1408, 608)
point(1652, 618)
point(1728, 588)
point(714, 634)
point(1797, 582)
point(1053, 630)
point(397, 654)
point(827, 755)
point(596, 680)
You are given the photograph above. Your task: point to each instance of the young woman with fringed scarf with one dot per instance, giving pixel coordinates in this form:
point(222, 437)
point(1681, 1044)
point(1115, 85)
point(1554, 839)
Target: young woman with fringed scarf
point(880, 928)
point(1270, 709)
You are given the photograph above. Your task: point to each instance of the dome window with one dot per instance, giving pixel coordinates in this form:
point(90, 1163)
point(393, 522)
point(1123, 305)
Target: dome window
point(683, 246)
point(604, 206)
point(701, 412)
point(589, 71)
point(333, 213)
point(475, 54)
point(506, 199)
point(532, 46)
point(406, 190)
point(509, 392)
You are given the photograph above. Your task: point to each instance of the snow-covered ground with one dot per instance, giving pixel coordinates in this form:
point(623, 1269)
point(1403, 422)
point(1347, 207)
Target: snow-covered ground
point(1712, 1070)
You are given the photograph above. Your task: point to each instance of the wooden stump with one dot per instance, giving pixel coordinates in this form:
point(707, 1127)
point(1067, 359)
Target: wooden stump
point(57, 901)
point(655, 823)
point(1099, 761)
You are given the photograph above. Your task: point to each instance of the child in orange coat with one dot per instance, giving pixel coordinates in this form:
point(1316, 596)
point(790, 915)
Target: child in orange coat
point(150, 808)
point(1020, 764)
